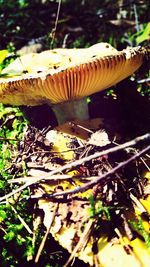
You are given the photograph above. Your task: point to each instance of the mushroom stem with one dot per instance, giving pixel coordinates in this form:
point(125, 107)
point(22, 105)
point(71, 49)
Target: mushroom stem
point(71, 110)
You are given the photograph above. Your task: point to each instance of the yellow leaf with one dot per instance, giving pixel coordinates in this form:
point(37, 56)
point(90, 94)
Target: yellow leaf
point(60, 144)
point(141, 251)
point(146, 203)
point(3, 55)
point(115, 255)
point(147, 175)
point(80, 129)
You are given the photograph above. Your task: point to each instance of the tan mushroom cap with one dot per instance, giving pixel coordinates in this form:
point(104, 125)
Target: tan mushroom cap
point(61, 75)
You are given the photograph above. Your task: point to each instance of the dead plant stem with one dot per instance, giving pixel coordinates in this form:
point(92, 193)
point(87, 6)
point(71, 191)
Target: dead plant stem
point(41, 247)
point(73, 164)
point(100, 178)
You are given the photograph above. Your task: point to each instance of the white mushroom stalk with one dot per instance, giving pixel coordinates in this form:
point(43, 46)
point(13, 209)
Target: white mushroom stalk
point(71, 110)
point(64, 77)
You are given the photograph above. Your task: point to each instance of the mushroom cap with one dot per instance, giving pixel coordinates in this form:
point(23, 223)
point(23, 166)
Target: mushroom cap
point(61, 75)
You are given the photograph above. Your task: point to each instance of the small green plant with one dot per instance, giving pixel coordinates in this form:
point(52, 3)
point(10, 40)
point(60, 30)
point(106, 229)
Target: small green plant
point(98, 210)
point(14, 238)
point(14, 235)
point(143, 35)
point(138, 227)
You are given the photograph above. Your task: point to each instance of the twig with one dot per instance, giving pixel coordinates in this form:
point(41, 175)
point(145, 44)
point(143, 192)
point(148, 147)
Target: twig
point(123, 243)
point(144, 80)
point(36, 178)
point(145, 164)
point(46, 235)
point(15, 191)
point(101, 153)
point(2, 229)
point(22, 221)
point(83, 160)
point(126, 227)
point(82, 242)
point(138, 204)
point(136, 18)
point(100, 178)
point(50, 152)
point(55, 27)
point(81, 127)
point(8, 139)
point(65, 40)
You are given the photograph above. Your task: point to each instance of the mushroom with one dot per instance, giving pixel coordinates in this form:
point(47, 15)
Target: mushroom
point(64, 78)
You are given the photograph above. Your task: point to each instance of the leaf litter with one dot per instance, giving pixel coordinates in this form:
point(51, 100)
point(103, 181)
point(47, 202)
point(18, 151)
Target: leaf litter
point(111, 212)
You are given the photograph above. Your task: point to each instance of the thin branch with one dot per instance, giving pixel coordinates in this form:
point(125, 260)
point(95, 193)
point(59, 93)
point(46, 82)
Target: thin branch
point(81, 127)
point(41, 247)
point(136, 18)
point(65, 40)
point(73, 164)
point(82, 242)
point(100, 178)
point(36, 178)
point(138, 204)
point(50, 152)
point(8, 139)
point(15, 191)
point(145, 164)
point(144, 80)
point(123, 242)
point(101, 153)
point(55, 27)
point(22, 220)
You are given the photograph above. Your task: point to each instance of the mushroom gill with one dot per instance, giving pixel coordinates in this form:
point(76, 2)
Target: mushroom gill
point(64, 77)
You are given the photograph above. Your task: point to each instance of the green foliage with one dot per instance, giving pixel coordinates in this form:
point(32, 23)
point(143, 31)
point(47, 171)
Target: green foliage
point(15, 235)
point(12, 230)
point(12, 127)
point(98, 210)
point(3, 215)
point(13, 123)
point(138, 226)
point(144, 34)
point(141, 36)
point(16, 243)
point(80, 42)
